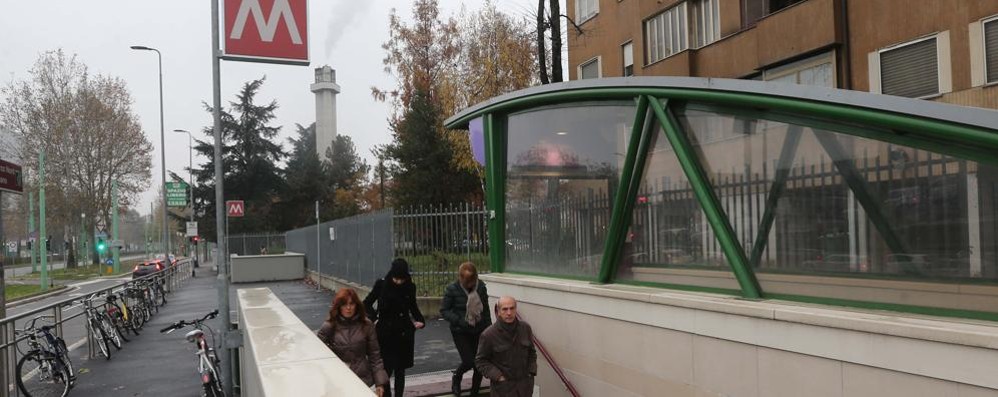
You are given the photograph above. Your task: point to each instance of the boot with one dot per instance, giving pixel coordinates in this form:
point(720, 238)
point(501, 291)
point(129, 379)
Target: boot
point(476, 383)
point(455, 383)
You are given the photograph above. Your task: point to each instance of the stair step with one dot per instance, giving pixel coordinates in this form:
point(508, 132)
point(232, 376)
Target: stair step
point(435, 384)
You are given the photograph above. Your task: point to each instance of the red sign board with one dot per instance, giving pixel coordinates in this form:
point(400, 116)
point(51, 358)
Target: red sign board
point(272, 31)
point(11, 179)
point(235, 208)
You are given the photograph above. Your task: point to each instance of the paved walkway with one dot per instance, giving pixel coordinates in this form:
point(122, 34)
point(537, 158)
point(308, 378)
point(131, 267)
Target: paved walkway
point(153, 364)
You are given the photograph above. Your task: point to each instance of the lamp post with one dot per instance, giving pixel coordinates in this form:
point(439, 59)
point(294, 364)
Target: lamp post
point(190, 173)
point(162, 146)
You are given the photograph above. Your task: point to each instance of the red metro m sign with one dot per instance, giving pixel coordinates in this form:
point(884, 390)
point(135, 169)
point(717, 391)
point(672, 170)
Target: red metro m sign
point(271, 31)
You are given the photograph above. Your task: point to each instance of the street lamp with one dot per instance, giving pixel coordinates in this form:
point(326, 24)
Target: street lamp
point(190, 172)
point(162, 145)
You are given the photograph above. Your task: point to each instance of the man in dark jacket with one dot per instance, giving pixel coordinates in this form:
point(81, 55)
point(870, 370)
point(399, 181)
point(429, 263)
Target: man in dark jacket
point(506, 354)
point(466, 308)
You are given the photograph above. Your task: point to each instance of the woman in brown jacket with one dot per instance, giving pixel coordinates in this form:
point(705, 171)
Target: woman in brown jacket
point(350, 335)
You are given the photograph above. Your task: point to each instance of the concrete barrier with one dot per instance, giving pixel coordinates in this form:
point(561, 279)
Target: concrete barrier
point(283, 357)
point(256, 268)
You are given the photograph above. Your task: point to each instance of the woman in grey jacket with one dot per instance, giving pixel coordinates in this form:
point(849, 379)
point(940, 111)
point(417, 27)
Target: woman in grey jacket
point(466, 308)
point(351, 336)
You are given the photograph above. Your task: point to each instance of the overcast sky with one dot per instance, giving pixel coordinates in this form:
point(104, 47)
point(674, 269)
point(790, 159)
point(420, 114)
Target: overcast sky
point(345, 34)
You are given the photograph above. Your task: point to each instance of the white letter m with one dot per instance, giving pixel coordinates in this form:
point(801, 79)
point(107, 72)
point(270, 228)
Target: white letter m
point(267, 28)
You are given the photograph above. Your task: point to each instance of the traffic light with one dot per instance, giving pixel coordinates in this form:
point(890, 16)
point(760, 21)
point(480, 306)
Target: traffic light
point(101, 245)
point(195, 239)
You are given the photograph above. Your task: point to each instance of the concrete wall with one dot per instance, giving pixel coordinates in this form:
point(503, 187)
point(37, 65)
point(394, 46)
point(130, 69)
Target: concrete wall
point(637, 341)
point(428, 305)
point(255, 268)
point(282, 357)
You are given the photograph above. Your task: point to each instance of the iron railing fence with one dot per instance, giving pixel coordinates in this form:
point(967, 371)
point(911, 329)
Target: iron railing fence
point(433, 239)
point(257, 244)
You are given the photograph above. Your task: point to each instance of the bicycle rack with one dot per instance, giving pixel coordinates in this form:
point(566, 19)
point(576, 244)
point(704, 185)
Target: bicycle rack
point(8, 343)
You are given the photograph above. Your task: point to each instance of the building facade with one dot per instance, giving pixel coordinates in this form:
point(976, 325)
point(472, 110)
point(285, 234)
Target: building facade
point(942, 50)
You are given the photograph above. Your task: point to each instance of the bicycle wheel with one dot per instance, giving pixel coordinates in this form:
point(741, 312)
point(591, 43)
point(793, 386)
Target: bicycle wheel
point(212, 387)
point(40, 374)
point(101, 338)
point(63, 356)
point(120, 327)
point(110, 331)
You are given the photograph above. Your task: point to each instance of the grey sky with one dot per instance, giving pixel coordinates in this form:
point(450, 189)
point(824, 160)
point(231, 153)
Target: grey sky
point(346, 34)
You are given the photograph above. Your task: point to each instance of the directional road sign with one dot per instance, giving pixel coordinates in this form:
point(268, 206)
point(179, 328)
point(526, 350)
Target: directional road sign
point(176, 194)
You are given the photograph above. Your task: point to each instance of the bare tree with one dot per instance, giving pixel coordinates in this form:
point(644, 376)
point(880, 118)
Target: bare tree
point(85, 125)
point(554, 21)
point(542, 53)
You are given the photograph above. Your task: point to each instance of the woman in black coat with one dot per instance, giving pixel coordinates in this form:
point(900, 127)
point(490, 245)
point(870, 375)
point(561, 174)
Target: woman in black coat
point(397, 318)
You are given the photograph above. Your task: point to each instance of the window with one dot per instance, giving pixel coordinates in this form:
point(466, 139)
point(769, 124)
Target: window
point(590, 69)
point(754, 10)
point(705, 24)
point(628, 55)
point(817, 70)
point(563, 168)
point(665, 34)
point(991, 50)
point(585, 9)
point(910, 69)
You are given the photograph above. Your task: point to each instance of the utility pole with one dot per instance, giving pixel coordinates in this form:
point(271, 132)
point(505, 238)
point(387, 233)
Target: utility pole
point(114, 227)
point(220, 215)
point(43, 246)
point(31, 230)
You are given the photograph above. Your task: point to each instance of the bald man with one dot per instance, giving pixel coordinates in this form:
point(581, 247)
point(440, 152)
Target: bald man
point(506, 353)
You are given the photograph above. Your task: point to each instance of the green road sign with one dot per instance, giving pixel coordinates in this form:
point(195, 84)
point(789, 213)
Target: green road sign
point(176, 194)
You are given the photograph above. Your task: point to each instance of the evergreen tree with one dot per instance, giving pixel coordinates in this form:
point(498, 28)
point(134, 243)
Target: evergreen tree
point(250, 164)
point(305, 179)
point(346, 174)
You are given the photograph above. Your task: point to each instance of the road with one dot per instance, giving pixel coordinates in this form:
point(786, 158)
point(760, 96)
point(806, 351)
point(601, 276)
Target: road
point(22, 270)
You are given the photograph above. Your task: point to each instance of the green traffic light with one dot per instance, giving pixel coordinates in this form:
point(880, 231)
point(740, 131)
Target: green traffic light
point(101, 246)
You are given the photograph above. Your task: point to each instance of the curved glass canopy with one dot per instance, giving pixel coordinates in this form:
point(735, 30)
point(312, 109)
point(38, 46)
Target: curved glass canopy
point(756, 189)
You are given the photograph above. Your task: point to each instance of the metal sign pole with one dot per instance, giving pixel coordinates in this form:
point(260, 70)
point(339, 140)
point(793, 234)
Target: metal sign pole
point(318, 248)
point(222, 280)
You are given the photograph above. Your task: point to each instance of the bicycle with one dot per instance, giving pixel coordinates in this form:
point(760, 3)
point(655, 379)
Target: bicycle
point(208, 362)
point(97, 329)
point(121, 316)
point(46, 369)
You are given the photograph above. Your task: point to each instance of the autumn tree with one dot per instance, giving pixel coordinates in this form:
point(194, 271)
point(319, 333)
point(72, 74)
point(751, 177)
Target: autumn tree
point(85, 125)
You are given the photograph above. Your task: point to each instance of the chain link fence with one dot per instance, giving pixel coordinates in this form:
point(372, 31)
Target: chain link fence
point(257, 244)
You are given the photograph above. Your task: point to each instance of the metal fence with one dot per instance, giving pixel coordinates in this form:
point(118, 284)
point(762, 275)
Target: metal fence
point(433, 239)
point(257, 244)
point(358, 248)
point(436, 239)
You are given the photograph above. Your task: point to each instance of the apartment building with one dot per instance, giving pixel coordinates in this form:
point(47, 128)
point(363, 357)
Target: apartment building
point(942, 50)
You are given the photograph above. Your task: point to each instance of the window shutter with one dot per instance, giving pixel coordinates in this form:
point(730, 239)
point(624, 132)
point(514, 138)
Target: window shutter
point(991, 50)
point(910, 71)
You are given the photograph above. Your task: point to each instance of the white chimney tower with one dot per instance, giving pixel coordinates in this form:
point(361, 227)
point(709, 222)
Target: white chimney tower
point(325, 90)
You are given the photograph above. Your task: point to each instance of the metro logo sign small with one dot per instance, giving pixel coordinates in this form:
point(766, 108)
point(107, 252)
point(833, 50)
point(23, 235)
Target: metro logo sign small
point(235, 208)
point(274, 31)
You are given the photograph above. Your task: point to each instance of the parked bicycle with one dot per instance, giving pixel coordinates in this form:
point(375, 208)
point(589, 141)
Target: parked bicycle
point(121, 316)
point(100, 328)
point(45, 369)
point(208, 362)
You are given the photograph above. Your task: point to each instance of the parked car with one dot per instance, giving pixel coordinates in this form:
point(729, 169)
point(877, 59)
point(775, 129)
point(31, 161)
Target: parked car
point(147, 267)
point(172, 261)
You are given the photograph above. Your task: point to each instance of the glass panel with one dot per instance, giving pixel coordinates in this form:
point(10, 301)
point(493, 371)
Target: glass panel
point(563, 169)
point(850, 206)
point(669, 240)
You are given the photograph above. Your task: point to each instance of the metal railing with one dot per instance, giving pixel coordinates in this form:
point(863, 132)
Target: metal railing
point(65, 311)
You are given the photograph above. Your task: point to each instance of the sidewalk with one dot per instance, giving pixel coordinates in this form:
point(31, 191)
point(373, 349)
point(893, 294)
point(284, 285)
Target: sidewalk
point(153, 364)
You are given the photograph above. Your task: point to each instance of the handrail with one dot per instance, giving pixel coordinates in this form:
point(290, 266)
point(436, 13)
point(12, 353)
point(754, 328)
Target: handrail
point(8, 346)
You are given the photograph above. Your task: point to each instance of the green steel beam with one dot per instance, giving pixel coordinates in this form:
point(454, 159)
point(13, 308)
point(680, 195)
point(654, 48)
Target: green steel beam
point(708, 201)
point(494, 190)
point(787, 154)
point(966, 151)
point(624, 198)
point(854, 179)
point(940, 132)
